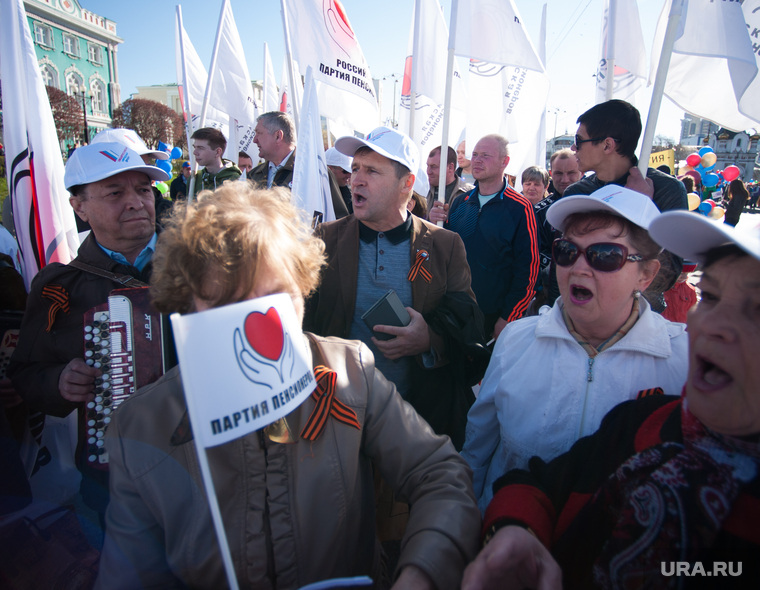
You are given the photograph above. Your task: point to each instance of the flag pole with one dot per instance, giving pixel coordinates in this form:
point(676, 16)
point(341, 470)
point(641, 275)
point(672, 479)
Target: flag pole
point(541, 143)
point(447, 104)
point(265, 86)
point(289, 56)
point(415, 69)
point(186, 104)
point(609, 56)
point(676, 11)
point(212, 68)
point(194, 412)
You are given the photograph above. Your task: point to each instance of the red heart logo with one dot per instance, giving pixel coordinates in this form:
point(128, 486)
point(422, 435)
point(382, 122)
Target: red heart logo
point(264, 333)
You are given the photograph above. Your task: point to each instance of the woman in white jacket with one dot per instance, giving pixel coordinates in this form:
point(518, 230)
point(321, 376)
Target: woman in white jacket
point(553, 377)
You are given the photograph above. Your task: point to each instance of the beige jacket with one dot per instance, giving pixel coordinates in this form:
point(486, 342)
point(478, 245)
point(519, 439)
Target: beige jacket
point(294, 513)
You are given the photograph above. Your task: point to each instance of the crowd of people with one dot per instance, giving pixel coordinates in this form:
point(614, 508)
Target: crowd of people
point(534, 413)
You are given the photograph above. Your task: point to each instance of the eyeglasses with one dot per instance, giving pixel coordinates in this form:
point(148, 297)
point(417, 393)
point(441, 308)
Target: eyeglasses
point(604, 257)
point(579, 141)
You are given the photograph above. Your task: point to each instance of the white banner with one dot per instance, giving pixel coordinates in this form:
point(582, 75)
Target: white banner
point(322, 38)
point(713, 64)
point(243, 366)
point(311, 182)
point(286, 96)
point(519, 97)
point(430, 49)
point(492, 30)
point(194, 86)
point(630, 60)
point(44, 220)
point(271, 96)
point(229, 86)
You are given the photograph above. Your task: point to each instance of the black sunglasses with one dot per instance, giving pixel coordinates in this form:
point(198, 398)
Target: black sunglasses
point(604, 257)
point(579, 142)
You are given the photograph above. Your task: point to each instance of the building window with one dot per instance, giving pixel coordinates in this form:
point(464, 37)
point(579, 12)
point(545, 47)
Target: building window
point(49, 76)
point(70, 45)
point(43, 35)
point(74, 83)
point(98, 91)
point(95, 52)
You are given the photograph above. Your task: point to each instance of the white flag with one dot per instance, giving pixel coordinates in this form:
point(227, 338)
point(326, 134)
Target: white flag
point(287, 97)
point(713, 64)
point(44, 220)
point(192, 79)
point(508, 100)
point(243, 366)
point(322, 38)
point(271, 96)
point(430, 51)
point(492, 30)
point(749, 104)
point(507, 94)
point(229, 86)
point(630, 64)
point(311, 182)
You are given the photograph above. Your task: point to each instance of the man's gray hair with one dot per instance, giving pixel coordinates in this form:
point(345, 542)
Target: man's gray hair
point(278, 121)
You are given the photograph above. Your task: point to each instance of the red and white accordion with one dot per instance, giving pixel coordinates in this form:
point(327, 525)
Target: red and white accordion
point(124, 338)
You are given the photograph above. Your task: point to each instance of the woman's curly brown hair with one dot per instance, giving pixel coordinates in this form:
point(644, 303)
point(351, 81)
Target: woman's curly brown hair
point(218, 243)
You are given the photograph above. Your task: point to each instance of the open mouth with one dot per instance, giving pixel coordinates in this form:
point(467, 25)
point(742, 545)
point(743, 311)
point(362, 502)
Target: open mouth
point(358, 199)
point(579, 293)
point(711, 374)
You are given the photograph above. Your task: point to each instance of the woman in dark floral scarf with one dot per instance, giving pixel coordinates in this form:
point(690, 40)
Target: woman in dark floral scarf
point(666, 494)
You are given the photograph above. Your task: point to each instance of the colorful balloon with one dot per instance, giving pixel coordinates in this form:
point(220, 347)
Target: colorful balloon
point(694, 201)
point(709, 159)
point(176, 153)
point(162, 187)
point(693, 160)
point(710, 179)
point(704, 208)
point(731, 173)
point(165, 165)
point(717, 213)
point(705, 150)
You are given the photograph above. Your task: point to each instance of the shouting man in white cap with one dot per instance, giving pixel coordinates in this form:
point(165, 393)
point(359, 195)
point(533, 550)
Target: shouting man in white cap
point(382, 247)
point(110, 188)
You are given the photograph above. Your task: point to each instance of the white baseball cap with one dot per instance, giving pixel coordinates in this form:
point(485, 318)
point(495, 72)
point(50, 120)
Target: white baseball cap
point(98, 161)
point(690, 235)
point(421, 183)
point(635, 207)
point(128, 138)
point(335, 158)
point(387, 142)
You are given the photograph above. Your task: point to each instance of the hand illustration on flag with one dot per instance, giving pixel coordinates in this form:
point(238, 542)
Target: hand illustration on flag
point(266, 347)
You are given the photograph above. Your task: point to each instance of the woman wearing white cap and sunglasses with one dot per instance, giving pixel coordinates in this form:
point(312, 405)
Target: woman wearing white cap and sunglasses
point(665, 494)
point(553, 377)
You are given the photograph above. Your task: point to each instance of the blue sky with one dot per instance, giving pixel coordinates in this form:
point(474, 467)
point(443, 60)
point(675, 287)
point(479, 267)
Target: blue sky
point(573, 29)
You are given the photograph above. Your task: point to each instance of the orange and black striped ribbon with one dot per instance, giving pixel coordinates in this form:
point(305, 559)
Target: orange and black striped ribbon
point(650, 392)
point(417, 268)
point(327, 405)
point(60, 301)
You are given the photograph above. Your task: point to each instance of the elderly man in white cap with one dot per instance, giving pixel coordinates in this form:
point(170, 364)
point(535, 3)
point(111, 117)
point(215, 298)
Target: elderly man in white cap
point(129, 138)
point(110, 188)
point(382, 247)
